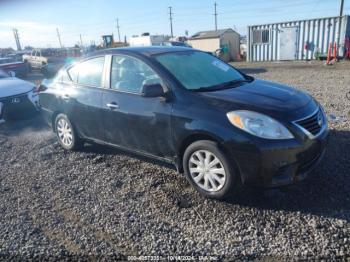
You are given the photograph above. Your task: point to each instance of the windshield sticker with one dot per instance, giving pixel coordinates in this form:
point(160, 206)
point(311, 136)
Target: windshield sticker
point(221, 65)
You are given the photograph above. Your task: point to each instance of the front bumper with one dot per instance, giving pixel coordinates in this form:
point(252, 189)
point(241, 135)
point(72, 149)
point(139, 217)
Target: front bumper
point(18, 105)
point(278, 163)
point(296, 172)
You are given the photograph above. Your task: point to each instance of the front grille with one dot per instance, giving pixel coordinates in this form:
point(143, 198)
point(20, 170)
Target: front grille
point(16, 105)
point(312, 124)
point(10, 99)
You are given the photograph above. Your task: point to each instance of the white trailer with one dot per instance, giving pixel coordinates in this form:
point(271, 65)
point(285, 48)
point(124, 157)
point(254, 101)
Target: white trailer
point(147, 40)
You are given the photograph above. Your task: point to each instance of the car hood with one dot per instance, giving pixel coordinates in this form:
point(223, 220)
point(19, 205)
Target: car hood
point(261, 96)
point(11, 86)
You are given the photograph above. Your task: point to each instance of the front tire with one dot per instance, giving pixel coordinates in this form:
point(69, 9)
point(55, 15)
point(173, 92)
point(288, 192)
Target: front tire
point(210, 170)
point(66, 134)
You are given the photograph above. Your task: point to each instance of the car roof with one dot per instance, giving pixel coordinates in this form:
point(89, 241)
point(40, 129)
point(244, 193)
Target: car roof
point(142, 50)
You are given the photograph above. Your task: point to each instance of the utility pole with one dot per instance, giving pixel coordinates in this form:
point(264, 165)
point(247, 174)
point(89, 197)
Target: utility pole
point(18, 44)
point(59, 37)
point(118, 29)
point(81, 41)
point(339, 25)
point(171, 21)
point(216, 16)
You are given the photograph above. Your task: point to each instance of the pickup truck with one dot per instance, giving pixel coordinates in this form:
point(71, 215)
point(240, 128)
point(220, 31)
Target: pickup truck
point(35, 59)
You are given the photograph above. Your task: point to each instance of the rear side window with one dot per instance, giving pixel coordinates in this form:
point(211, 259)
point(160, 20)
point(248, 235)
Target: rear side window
point(88, 72)
point(61, 77)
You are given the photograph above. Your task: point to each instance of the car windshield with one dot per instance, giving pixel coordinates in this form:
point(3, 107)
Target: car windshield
point(199, 71)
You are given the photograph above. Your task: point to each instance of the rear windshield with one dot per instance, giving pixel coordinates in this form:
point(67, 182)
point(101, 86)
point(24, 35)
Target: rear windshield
point(195, 70)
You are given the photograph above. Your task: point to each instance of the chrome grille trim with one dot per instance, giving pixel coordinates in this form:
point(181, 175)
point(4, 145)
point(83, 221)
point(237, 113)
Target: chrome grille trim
point(309, 124)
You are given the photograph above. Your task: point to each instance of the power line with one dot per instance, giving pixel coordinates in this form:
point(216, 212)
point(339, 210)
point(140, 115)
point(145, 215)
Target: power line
point(171, 21)
point(118, 29)
point(216, 16)
point(81, 41)
point(188, 13)
point(18, 44)
point(59, 37)
point(228, 14)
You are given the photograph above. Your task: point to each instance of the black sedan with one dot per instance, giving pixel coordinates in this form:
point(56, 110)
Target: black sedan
point(220, 127)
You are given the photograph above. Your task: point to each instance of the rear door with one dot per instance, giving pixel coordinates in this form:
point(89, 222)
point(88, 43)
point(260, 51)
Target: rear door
point(86, 97)
point(130, 120)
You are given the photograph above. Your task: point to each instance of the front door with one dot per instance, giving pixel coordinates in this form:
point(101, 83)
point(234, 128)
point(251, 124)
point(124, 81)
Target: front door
point(288, 43)
point(131, 120)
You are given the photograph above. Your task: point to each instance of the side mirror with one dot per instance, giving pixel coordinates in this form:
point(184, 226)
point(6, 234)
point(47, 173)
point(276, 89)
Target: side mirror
point(12, 74)
point(41, 88)
point(152, 90)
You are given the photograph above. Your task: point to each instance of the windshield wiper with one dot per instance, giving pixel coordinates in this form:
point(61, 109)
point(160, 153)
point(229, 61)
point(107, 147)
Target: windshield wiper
point(222, 86)
point(232, 83)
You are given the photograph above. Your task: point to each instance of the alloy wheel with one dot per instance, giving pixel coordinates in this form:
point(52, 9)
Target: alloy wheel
point(65, 132)
point(207, 171)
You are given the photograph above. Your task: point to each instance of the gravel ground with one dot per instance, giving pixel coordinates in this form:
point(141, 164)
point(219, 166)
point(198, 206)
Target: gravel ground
point(104, 203)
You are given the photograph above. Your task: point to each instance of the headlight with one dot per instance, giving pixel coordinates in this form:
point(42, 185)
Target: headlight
point(258, 124)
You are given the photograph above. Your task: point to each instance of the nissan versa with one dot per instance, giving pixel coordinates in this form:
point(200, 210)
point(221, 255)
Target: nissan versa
point(220, 127)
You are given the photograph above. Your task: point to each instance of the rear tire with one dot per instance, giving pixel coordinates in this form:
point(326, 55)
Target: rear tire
point(66, 134)
point(210, 171)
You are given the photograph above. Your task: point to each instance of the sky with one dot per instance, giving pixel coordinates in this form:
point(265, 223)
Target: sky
point(37, 20)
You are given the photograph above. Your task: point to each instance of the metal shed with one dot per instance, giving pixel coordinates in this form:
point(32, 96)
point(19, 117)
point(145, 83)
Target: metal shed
point(296, 40)
point(210, 41)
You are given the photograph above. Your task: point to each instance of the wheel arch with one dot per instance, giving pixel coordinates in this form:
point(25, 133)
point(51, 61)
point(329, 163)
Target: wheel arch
point(53, 119)
point(188, 140)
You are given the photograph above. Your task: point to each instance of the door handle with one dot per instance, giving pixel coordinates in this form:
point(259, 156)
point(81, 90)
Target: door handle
point(113, 105)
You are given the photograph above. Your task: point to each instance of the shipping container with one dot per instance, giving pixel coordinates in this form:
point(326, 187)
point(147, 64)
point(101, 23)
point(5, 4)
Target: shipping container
point(296, 40)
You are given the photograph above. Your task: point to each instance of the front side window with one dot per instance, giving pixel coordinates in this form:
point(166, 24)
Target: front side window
point(88, 72)
point(129, 74)
point(198, 70)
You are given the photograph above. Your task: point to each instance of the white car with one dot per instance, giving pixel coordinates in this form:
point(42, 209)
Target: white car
point(17, 97)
